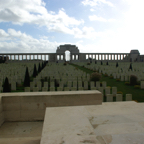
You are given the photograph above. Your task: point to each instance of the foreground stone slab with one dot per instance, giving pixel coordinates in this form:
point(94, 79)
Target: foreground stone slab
point(62, 125)
point(109, 123)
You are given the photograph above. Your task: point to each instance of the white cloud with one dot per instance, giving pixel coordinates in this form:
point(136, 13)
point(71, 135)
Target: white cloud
point(96, 2)
point(34, 12)
point(18, 42)
point(92, 9)
point(96, 18)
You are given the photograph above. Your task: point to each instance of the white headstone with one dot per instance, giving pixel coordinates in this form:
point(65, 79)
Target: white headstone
point(35, 89)
point(46, 84)
point(118, 97)
point(128, 97)
point(107, 90)
point(109, 98)
point(114, 91)
point(27, 89)
point(44, 88)
point(97, 84)
point(104, 84)
point(86, 85)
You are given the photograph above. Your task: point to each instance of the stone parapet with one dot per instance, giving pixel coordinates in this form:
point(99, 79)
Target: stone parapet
point(1, 112)
point(30, 106)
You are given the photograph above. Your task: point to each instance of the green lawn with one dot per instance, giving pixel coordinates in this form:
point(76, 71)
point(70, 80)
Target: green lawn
point(137, 94)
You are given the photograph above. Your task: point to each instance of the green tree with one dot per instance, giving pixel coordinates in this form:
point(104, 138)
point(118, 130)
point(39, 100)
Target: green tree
point(27, 78)
point(130, 67)
point(6, 86)
point(117, 64)
point(39, 68)
point(35, 71)
point(42, 65)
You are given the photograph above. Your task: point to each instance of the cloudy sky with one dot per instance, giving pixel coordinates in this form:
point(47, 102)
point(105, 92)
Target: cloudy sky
point(93, 25)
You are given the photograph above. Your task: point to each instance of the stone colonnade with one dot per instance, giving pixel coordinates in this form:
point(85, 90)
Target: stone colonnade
point(107, 56)
point(53, 57)
point(25, 56)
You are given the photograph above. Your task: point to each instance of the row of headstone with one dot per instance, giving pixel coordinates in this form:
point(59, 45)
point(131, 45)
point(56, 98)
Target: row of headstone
point(119, 97)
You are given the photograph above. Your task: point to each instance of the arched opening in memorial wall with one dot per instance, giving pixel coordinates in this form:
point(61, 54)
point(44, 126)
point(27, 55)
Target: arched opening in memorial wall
point(67, 55)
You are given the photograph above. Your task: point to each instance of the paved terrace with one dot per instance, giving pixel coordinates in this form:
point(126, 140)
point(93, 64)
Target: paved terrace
point(109, 123)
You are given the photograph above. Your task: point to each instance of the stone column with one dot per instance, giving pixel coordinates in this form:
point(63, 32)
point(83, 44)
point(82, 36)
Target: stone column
point(98, 56)
point(37, 57)
point(26, 57)
point(14, 57)
point(101, 57)
point(33, 56)
point(30, 57)
point(45, 57)
point(105, 57)
point(41, 57)
point(18, 57)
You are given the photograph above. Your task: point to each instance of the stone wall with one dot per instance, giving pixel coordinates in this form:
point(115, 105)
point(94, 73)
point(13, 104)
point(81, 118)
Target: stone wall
point(30, 106)
point(1, 112)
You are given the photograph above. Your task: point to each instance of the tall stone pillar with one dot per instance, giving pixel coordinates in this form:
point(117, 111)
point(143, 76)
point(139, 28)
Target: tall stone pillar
point(41, 57)
point(105, 57)
point(26, 57)
point(18, 57)
point(45, 57)
point(101, 57)
point(30, 57)
point(98, 56)
point(33, 56)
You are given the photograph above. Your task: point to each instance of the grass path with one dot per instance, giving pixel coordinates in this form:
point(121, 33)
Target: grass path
point(137, 94)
